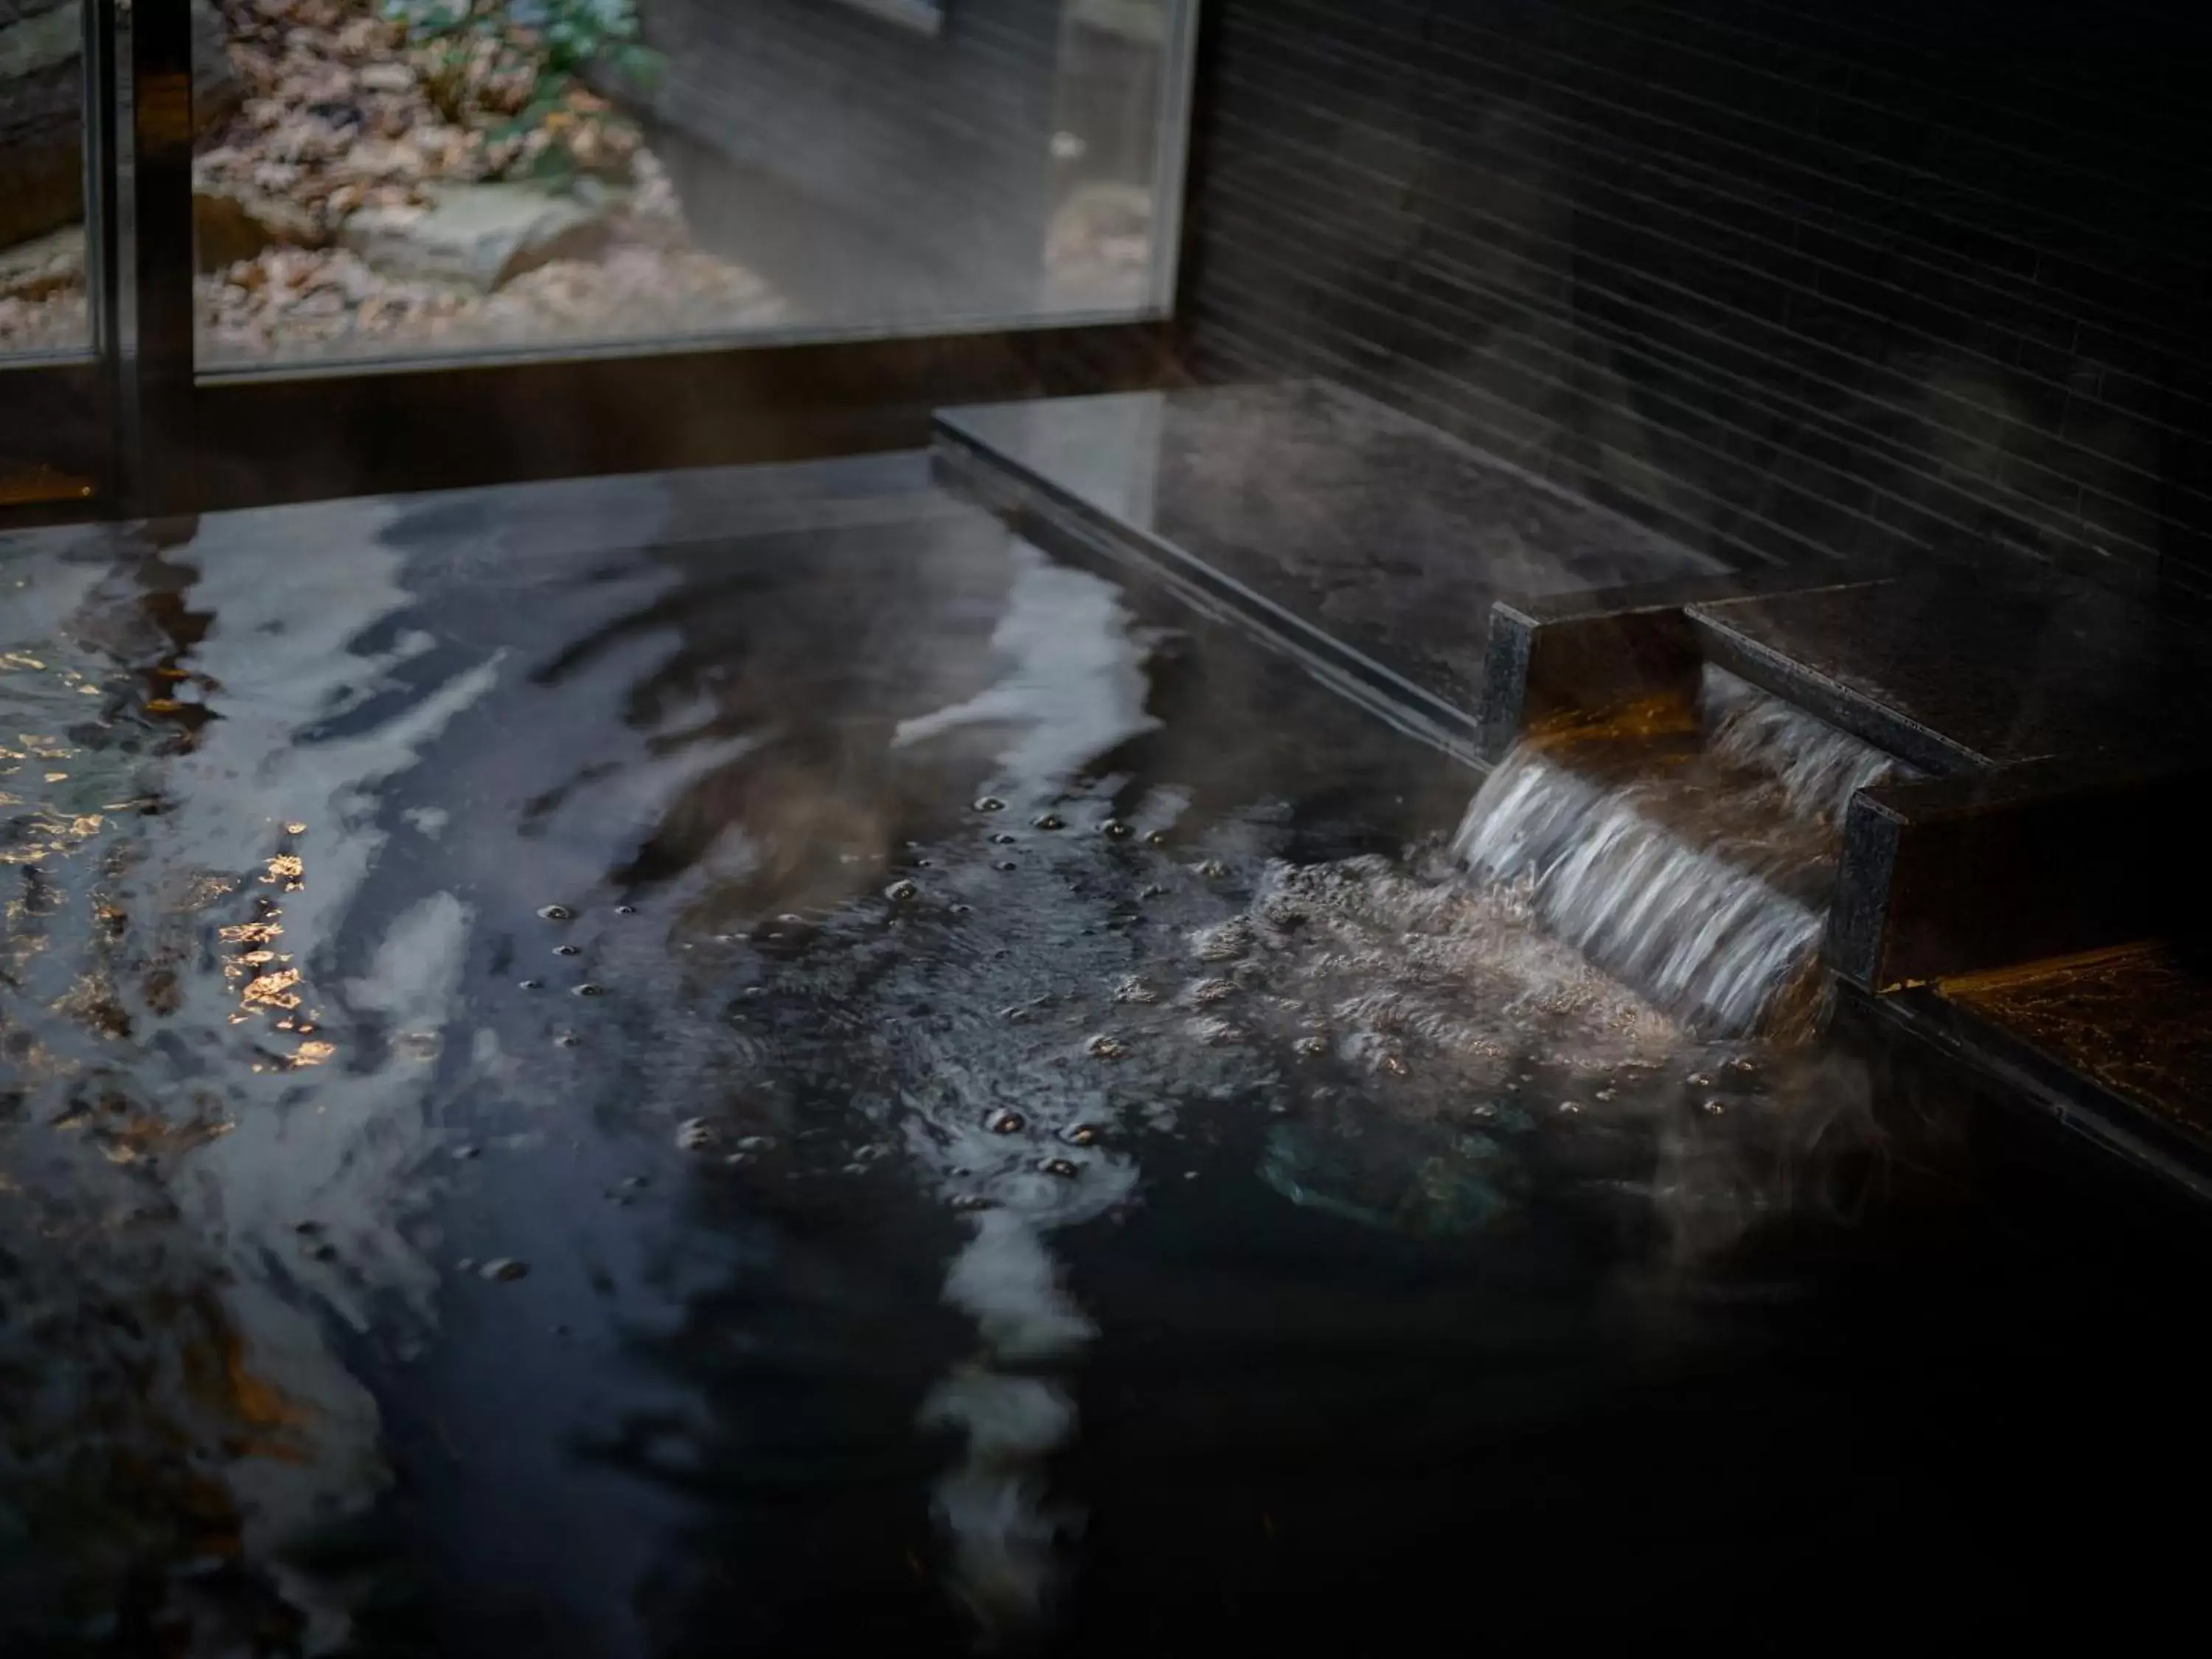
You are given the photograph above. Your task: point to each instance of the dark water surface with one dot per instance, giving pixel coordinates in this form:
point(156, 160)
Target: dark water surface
point(834, 1083)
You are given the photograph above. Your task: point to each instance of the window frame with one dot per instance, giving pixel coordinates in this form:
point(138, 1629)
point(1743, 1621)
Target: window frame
point(203, 441)
point(64, 408)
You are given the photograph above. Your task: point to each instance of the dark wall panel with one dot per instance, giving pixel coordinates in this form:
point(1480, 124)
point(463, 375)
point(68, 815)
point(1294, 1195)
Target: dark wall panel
point(1792, 280)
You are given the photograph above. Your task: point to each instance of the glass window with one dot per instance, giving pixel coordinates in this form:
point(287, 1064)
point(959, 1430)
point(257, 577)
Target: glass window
point(42, 292)
point(462, 177)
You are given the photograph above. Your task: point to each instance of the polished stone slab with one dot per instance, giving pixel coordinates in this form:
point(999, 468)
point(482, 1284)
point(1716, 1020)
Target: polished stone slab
point(2137, 1022)
point(1943, 876)
point(1959, 672)
point(2114, 1047)
point(1322, 516)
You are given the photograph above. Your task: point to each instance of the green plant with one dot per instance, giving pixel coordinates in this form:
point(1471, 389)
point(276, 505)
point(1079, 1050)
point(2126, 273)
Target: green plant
point(578, 34)
point(516, 68)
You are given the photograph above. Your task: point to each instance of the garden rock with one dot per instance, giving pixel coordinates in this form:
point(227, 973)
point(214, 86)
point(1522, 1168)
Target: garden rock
point(481, 236)
point(217, 90)
point(41, 117)
point(231, 223)
point(43, 266)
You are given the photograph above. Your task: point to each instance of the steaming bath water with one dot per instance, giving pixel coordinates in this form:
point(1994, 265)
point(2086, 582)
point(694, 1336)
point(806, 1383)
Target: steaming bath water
point(1059, 1153)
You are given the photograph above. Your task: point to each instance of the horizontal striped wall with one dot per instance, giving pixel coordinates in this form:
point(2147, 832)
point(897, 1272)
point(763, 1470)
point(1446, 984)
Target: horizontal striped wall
point(1791, 280)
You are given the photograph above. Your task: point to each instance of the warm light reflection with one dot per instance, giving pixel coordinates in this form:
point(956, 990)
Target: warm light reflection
point(272, 985)
point(51, 833)
point(271, 990)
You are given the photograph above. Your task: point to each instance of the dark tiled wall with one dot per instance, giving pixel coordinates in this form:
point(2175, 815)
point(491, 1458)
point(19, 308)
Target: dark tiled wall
point(1791, 279)
point(858, 141)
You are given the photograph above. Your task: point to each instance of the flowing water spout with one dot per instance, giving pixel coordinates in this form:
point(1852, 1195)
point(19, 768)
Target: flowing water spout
point(1698, 873)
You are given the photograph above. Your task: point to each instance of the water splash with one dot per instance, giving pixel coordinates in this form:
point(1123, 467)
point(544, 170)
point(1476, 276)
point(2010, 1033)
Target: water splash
point(1819, 768)
point(1696, 870)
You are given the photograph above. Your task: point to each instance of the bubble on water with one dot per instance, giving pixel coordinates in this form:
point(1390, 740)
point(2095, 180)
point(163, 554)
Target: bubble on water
point(1115, 828)
point(467, 1264)
point(468, 1154)
point(1105, 1047)
point(757, 1142)
point(1066, 1168)
point(1699, 1080)
point(1016, 1013)
point(1048, 821)
point(1080, 1134)
point(588, 989)
point(1570, 1108)
point(1005, 864)
point(971, 1201)
point(1135, 988)
point(501, 1269)
point(738, 1160)
point(1157, 838)
point(1004, 838)
point(960, 909)
point(902, 892)
point(625, 909)
point(1008, 1124)
point(694, 1134)
point(791, 918)
point(556, 913)
point(1311, 1048)
point(1212, 869)
point(1715, 1108)
point(1486, 1110)
point(990, 804)
point(1151, 889)
point(566, 1039)
point(532, 984)
point(633, 1182)
point(568, 949)
point(1604, 1094)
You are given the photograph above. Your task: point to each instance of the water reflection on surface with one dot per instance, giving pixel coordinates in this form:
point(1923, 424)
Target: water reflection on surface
point(835, 1084)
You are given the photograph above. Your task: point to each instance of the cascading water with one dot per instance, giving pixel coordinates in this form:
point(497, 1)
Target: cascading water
point(1696, 868)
